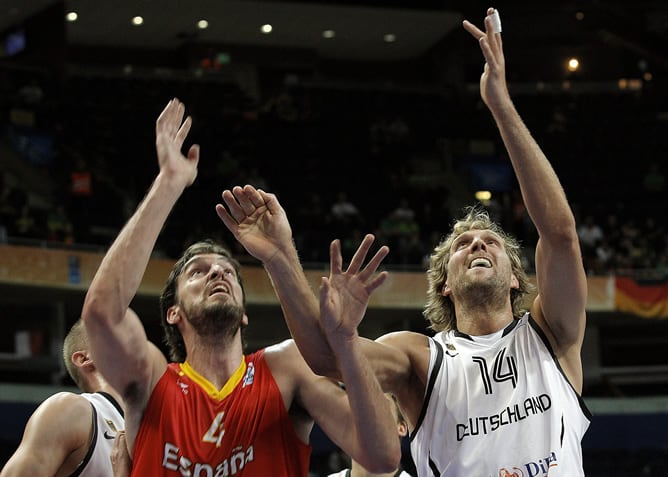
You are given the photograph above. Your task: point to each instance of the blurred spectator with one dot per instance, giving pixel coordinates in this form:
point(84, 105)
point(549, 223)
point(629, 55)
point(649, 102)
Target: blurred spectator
point(654, 181)
point(81, 198)
point(25, 225)
point(589, 233)
point(605, 255)
point(345, 215)
point(59, 226)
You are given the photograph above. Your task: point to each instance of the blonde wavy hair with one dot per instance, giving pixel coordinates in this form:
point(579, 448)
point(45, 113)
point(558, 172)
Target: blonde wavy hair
point(439, 310)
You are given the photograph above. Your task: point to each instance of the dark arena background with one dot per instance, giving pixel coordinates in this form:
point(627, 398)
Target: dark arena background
point(375, 103)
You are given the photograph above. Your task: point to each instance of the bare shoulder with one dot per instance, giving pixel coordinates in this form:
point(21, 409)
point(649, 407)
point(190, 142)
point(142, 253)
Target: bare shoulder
point(405, 340)
point(64, 404)
point(284, 359)
point(406, 348)
point(283, 353)
point(55, 438)
point(64, 419)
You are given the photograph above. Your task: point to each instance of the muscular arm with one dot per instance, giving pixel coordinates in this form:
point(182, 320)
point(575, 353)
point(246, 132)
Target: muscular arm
point(259, 223)
point(560, 304)
point(55, 439)
point(118, 341)
point(369, 438)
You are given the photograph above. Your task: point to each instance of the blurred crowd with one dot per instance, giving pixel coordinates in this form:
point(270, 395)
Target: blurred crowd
point(344, 162)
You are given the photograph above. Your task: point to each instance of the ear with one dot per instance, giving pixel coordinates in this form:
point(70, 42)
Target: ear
point(514, 282)
point(244, 320)
point(446, 289)
point(81, 359)
point(173, 314)
point(402, 429)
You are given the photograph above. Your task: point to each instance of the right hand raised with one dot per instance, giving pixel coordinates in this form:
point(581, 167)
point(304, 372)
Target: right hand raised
point(170, 133)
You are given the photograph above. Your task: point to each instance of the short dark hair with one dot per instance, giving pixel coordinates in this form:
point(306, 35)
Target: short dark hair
point(75, 340)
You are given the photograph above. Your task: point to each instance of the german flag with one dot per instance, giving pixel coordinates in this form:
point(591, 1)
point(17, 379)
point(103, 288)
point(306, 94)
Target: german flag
point(646, 297)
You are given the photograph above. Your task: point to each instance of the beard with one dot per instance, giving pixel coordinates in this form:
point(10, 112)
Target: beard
point(494, 290)
point(217, 320)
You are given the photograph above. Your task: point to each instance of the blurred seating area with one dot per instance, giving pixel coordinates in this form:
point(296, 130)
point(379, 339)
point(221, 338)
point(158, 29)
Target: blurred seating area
point(79, 154)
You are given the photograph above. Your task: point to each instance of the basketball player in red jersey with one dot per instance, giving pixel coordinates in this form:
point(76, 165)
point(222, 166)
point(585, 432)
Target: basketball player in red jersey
point(214, 410)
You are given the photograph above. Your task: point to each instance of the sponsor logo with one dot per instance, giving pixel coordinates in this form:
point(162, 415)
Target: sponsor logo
point(539, 468)
point(250, 375)
point(108, 436)
point(450, 350)
point(183, 386)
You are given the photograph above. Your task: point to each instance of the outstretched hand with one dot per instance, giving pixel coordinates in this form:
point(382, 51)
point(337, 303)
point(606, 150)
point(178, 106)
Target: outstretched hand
point(493, 87)
point(171, 131)
point(256, 220)
point(344, 296)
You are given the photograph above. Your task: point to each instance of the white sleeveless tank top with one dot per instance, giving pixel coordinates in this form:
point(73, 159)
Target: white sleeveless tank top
point(107, 421)
point(498, 406)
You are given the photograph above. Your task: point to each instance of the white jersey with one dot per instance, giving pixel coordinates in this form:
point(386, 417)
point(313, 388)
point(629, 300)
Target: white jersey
point(498, 406)
point(107, 421)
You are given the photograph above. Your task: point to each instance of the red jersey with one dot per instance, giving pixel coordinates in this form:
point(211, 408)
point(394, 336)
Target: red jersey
point(190, 428)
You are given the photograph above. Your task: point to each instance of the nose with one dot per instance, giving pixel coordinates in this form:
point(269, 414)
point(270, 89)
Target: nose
point(478, 243)
point(216, 270)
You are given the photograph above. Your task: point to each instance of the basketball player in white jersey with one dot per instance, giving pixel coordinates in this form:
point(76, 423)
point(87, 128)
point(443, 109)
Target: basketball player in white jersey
point(497, 391)
point(71, 434)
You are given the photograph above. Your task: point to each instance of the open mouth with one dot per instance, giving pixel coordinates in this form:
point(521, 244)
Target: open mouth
point(219, 289)
point(480, 262)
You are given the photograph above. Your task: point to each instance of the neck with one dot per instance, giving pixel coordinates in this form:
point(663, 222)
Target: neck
point(357, 470)
point(100, 385)
point(215, 363)
point(483, 311)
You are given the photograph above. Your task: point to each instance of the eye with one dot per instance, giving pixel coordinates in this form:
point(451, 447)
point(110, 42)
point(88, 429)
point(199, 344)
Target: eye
point(195, 272)
point(229, 272)
point(461, 244)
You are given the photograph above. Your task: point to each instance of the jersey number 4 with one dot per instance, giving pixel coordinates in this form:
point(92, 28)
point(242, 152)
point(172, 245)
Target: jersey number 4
point(216, 430)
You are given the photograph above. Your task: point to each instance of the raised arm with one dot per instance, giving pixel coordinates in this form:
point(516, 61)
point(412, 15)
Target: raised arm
point(118, 341)
point(561, 280)
point(342, 307)
point(259, 223)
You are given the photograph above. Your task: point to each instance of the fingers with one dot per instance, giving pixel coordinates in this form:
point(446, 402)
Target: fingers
point(171, 119)
point(324, 291)
point(243, 202)
point(227, 219)
point(375, 262)
point(269, 200)
point(491, 23)
point(193, 153)
point(360, 254)
point(490, 41)
point(335, 259)
point(183, 131)
point(377, 281)
point(475, 32)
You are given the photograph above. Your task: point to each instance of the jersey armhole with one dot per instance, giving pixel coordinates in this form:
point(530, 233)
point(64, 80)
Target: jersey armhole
point(91, 446)
point(430, 386)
